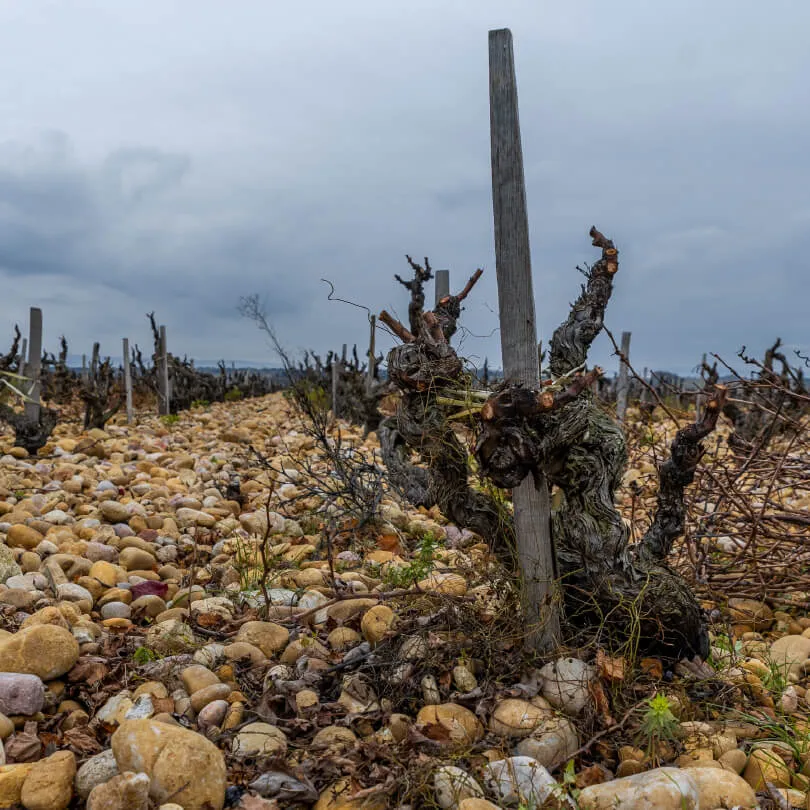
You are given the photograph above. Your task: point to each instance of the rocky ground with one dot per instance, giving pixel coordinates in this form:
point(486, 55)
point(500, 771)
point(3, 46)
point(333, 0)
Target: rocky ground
point(190, 624)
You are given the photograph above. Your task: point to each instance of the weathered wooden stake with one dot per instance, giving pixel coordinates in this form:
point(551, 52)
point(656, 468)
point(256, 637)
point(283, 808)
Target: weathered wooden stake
point(623, 386)
point(164, 402)
point(94, 359)
point(23, 356)
point(34, 365)
point(519, 333)
point(442, 285)
point(127, 380)
point(372, 358)
point(700, 399)
point(646, 396)
point(336, 369)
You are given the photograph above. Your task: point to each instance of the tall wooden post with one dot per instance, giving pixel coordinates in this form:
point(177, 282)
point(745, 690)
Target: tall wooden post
point(442, 285)
point(519, 334)
point(372, 357)
point(623, 386)
point(700, 399)
point(34, 365)
point(164, 408)
point(336, 369)
point(94, 360)
point(646, 396)
point(23, 356)
point(127, 380)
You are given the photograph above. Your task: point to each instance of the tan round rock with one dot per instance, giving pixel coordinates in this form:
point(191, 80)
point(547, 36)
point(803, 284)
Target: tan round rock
point(12, 778)
point(202, 697)
point(267, 636)
point(134, 558)
point(259, 739)
point(115, 512)
point(722, 788)
point(750, 612)
point(126, 791)
point(6, 727)
point(630, 767)
point(450, 722)
point(47, 615)
point(196, 677)
point(170, 614)
point(464, 679)
point(29, 561)
point(447, 583)
point(154, 688)
point(347, 609)
point(49, 784)
point(399, 726)
point(343, 638)
point(766, 766)
point(117, 595)
point(241, 650)
point(334, 738)
point(477, 804)
point(661, 788)
point(309, 577)
point(21, 536)
point(234, 716)
point(106, 573)
point(306, 699)
point(340, 796)
point(45, 650)
point(149, 606)
point(170, 637)
point(734, 761)
point(789, 653)
point(516, 718)
point(169, 755)
point(310, 647)
point(376, 623)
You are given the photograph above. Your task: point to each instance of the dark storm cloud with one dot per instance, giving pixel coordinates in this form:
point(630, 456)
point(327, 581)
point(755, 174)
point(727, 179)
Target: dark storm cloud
point(207, 153)
point(125, 227)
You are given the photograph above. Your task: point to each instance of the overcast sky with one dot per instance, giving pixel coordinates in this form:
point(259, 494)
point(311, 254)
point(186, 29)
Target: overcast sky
point(172, 155)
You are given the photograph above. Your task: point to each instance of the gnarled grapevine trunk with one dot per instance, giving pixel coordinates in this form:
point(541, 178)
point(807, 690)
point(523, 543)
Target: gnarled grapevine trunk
point(621, 593)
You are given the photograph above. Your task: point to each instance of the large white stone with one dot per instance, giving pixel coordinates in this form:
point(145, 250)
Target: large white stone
point(520, 780)
point(662, 789)
point(451, 785)
point(552, 744)
point(565, 684)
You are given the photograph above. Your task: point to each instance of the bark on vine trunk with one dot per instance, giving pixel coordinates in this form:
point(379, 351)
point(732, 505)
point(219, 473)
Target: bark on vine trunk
point(615, 592)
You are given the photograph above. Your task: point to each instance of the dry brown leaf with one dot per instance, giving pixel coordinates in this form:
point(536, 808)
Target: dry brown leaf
point(652, 667)
point(601, 702)
point(81, 741)
point(163, 705)
point(49, 738)
point(24, 746)
point(209, 620)
point(611, 669)
point(593, 775)
point(389, 542)
point(89, 670)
